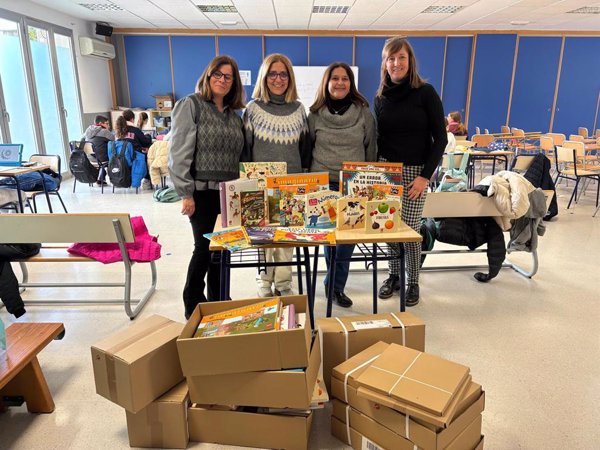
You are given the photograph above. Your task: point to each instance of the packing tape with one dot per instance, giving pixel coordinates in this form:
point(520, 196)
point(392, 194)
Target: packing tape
point(401, 326)
point(352, 371)
point(155, 424)
point(345, 335)
point(111, 378)
point(348, 425)
point(137, 336)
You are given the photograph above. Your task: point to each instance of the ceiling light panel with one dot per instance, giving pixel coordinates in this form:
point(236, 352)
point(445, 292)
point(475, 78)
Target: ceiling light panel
point(330, 9)
point(101, 6)
point(586, 10)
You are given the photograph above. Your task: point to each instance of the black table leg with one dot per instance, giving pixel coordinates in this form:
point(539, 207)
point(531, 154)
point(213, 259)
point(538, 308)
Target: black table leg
point(314, 271)
point(374, 268)
point(223, 278)
point(402, 279)
point(331, 285)
point(46, 192)
point(309, 289)
point(19, 194)
point(299, 270)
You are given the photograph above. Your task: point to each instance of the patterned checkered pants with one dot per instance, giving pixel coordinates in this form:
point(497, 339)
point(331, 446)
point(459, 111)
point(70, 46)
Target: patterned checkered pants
point(412, 210)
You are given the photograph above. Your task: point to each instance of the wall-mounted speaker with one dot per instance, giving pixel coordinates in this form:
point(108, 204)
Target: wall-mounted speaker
point(104, 29)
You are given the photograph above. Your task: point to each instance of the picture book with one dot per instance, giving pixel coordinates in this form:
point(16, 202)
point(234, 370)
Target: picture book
point(321, 209)
point(233, 239)
point(260, 235)
point(383, 216)
point(388, 191)
point(352, 212)
point(359, 183)
point(288, 317)
point(292, 203)
point(253, 213)
point(254, 318)
point(230, 200)
point(314, 182)
point(304, 235)
point(390, 167)
point(261, 170)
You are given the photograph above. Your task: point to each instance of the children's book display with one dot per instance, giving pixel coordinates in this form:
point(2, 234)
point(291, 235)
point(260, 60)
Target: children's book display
point(321, 209)
point(233, 239)
point(230, 200)
point(292, 205)
point(261, 170)
point(253, 208)
point(260, 235)
point(313, 182)
point(304, 235)
point(383, 216)
point(357, 179)
point(352, 213)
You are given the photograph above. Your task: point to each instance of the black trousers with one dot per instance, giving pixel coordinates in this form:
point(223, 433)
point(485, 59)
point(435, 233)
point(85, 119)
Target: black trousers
point(202, 264)
point(9, 286)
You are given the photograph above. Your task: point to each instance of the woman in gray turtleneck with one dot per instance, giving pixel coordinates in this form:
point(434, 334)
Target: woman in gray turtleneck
point(342, 129)
point(276, 130)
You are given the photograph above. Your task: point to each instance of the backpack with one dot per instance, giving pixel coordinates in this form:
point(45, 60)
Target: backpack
point(119, 171)
point(455, 179)
point(80, 166)
point(166, 195)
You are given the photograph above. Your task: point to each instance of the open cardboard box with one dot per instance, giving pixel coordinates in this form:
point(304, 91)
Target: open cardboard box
point(269, 350)
point(276, 389)
point(344, 337)
point(163, 423)
point(220, 426)
point(138, 364)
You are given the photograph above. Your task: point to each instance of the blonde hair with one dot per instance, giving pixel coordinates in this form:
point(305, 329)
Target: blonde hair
point(235, 98)
point(391, 46)
point(261, 90)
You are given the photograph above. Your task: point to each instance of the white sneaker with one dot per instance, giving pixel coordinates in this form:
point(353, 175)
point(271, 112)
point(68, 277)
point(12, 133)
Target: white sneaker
point(283, 292)
point(265, 292)
point(146, 184)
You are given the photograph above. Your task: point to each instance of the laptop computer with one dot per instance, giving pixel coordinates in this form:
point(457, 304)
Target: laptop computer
point(150, 131)
point(11, 154)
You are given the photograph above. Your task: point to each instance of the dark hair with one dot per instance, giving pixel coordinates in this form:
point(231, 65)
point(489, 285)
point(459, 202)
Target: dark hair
point(121, 127)
point(142, 119)
point(128, 115)
point(235, 98)
point(100, 119)
point(323, 91)
point(391, 46)
point(456, 116)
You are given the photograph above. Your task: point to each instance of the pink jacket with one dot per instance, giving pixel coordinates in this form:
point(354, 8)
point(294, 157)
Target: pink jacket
point(145, 248)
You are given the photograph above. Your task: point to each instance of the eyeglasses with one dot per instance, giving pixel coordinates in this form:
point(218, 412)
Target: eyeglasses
point(218, 75)
point(273, 75)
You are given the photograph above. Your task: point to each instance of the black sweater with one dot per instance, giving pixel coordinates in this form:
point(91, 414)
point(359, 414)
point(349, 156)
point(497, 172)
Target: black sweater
point(410, 126)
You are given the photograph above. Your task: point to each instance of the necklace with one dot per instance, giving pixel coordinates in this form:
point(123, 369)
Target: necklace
point(340, 111)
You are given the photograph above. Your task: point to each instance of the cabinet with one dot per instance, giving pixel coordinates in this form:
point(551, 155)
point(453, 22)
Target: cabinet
point(156, 119)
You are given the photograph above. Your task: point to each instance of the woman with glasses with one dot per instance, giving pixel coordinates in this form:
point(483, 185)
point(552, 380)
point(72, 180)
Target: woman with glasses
point(206, 146)
point(411, 130)
point(341, 129)
point(276, 130)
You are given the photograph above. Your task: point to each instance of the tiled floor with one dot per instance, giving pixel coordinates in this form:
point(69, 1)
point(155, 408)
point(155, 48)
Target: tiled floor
point(534, 344)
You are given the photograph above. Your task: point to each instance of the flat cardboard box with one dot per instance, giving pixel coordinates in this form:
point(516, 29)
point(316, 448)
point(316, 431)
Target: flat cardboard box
point(344, 337)
point(426, 436)
point(138, 364)
point(470, 438)
point(269, 350)
point(350, 370)
point(275, 389)
point(215, 425)
point(415, 378)
point(163, 423)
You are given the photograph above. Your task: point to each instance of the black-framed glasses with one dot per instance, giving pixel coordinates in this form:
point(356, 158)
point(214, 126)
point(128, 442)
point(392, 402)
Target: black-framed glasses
point(273, 75)
point(218, 75)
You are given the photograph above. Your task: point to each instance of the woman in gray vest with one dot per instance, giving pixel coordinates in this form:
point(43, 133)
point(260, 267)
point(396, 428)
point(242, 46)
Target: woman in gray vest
point(206, 146)
point(342, 129)
point(276, 130)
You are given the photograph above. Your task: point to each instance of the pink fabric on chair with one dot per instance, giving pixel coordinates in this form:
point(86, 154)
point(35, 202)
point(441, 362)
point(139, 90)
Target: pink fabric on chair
point(145, 248)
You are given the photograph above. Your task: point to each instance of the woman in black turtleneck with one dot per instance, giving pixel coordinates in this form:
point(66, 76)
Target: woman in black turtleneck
point(411, 130)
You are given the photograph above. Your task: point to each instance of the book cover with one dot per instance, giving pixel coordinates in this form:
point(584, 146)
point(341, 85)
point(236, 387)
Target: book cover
point(321, 209)
point(383, 216)
point(304, 235)
point(254, 318)
point(352, 212)
point(292, 204)
point(359, 183)
point(387, 191)
point(288, 317)
point(230, 200)
point(233, 239)
point(373, 166)
point(261, 170)
point(253, 208)
point(260, 235)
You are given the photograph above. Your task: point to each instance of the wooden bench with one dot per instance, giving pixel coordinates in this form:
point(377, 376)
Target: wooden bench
point(20, 374)
point(82, 228)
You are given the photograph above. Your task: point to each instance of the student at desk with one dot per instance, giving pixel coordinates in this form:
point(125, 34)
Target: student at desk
point(410, 125)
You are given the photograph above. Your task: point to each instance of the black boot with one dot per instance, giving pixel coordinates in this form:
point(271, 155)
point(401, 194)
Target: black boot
point(342, 299)
point(389, 286)
point(412, 295)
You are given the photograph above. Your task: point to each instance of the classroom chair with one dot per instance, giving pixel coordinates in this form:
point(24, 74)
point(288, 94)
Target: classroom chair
point(54, 162)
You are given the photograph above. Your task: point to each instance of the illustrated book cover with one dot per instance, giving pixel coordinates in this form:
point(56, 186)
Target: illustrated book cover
point(373, 166)
point(253, 208)
point(383, 216)
point(260, 235)
point(304, 235)
point(261, 170)
point(233, 239)
point(292, 204)
point(359, 183)
point(352, 212)
point(321, 209)
point(230, 200)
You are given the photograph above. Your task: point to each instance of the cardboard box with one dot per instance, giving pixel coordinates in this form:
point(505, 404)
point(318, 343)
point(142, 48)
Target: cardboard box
point(426, 436)
point(344, 337)
point(270, 350)
point(164, 102)
point(276, 389)
point(163, 423)
point(210, 424)
point(138, 364)
point(469, 438)
point(350, 370)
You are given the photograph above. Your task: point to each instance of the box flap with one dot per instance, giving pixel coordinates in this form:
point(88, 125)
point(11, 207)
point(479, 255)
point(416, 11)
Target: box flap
point(176, 395)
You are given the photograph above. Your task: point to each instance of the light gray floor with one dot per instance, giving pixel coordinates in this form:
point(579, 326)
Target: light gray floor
point(534, 345)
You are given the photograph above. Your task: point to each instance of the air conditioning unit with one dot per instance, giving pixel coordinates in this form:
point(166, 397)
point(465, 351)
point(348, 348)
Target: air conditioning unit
point(96, 47)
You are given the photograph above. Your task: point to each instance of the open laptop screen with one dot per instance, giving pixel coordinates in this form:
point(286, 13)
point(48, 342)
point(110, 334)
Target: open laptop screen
point(11, 154)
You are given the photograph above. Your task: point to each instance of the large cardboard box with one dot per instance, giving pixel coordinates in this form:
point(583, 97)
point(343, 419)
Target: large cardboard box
point(426, 436)
point(138, 364)
point(163, 423)
point(269, 350)
point(344, 337)
point(275, 389)
point(350, 370)
point(212, 424)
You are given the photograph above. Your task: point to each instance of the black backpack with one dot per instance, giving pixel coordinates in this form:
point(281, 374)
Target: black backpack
point(80, 166)
point(119, 171)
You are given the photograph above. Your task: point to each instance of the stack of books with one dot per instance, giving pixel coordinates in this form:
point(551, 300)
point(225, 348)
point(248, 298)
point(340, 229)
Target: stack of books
point(391, 396)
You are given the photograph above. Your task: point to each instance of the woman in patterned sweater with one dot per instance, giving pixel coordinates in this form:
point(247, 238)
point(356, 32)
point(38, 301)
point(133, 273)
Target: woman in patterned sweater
point(276, 130)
